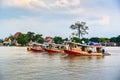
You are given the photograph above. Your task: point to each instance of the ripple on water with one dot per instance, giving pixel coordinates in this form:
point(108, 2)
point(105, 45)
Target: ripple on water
point(18, 64)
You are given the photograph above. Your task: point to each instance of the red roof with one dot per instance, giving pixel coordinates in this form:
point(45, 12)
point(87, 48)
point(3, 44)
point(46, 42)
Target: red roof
point(96, 45)
point(17, 34)
point(48, 39)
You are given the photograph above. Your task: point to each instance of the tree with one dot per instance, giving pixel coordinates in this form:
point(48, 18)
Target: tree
point(75, 39)
point(58, 40)
point(1, 40)
point(113, 39)
point(66, 39)
point(118, 40)
point(103, 39)
point(39, 38)
point(30, 36)
point(86, 40)
point(81, 27)
point(22, 39)
point(94, 39)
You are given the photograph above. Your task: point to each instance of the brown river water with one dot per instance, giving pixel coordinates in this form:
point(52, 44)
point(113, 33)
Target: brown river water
point(16, 63)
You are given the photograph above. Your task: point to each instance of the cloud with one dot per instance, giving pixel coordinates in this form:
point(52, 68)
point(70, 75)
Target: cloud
point(66, 3)
point(15, 3)
point(105, 20)
point(31, 4)
point(39, 4)
point(45, 15)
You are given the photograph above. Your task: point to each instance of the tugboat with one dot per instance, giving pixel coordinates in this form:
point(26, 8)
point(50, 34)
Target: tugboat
point(84, 50)
point(35, 47)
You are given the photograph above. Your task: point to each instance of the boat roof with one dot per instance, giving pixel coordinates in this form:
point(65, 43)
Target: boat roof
point(53, 44)
point(79, 44)
point(34, 43)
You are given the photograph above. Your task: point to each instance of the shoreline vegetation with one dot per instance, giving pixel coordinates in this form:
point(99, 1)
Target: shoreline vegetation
point(23, 39)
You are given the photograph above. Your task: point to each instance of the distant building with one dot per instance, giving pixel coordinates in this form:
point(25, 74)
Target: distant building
point(16, 35)
point(111, 44)
point(108, 44)
point(14, 42)
point(49, 39)
point(7, 42)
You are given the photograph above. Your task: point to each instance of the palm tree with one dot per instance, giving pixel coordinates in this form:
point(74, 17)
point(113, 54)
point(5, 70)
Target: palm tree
point(81, 27)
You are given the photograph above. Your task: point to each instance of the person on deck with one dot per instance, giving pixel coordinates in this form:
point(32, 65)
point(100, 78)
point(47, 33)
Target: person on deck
point(103, 51)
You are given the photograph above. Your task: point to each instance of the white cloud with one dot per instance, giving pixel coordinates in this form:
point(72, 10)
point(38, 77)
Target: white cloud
point(75, 2)
point(16, 3)
point(64, 3)
point(30, 4)
point(40, 3)
point(99, 18)
point(105, 20)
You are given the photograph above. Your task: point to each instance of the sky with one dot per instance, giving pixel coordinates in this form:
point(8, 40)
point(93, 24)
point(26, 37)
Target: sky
point(54, 17)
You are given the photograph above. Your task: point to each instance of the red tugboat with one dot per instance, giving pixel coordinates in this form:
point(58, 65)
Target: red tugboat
point(73, 48)
point(35, 47)
point(51, 48)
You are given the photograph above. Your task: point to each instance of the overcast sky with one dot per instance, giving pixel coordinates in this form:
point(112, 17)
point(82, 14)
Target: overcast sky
point(54, 17)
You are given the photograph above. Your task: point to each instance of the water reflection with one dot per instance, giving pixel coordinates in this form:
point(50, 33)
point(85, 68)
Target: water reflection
point(82, 57)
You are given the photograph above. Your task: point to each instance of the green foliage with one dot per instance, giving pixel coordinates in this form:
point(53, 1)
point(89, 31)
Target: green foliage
point(94, 39)
point(37, 36)
point(113, 39)
point(66, 39)
point(118, 40)
point(58, 40)
point(30, 36)
point(22, 39)
point(75, 39)
point(1, 40)
point(25, 38)
point(40, 40)
point(80, 27)
point(102, 39)
point(86, 40)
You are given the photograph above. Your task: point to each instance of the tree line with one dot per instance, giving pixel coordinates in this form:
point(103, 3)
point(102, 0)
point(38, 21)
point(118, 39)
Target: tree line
point(25, 38)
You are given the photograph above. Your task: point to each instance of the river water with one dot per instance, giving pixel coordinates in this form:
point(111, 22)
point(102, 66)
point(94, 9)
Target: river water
point(18, 64)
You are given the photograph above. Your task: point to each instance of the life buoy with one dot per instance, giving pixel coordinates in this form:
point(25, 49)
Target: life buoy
point(28, 48)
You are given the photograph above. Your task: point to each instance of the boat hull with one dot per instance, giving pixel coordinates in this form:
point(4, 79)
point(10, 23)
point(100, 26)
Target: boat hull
point(51, 51)
point(69, 52)
point(36, 50)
